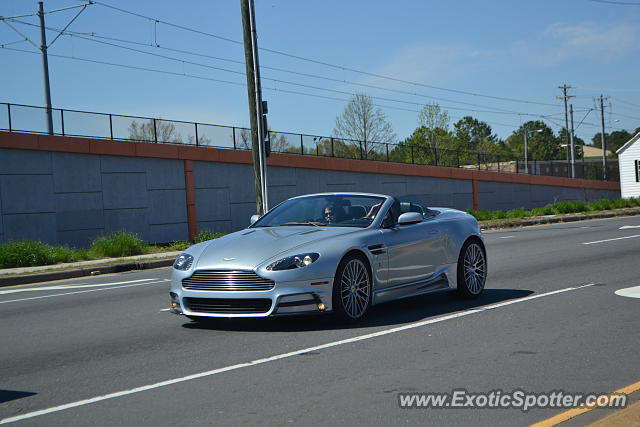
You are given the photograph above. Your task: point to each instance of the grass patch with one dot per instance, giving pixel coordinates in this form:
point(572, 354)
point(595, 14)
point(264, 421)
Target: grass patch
point(118, 244)
point(27, 253)
point(565, 207)
point(205, 235)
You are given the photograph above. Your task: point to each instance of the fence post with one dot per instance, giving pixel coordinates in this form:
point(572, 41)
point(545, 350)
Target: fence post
point(387, 146)
point(412, 155)
point(435, 157)
point(301, 145)
point(62, 120)
point(498, 162)
point(233, 132)
point(458, 157)
point(333, 154)
point(196, 128)
point(361, 154)
point(479, 164)
point(155, 132)
point(9, 116)
point(111, 126)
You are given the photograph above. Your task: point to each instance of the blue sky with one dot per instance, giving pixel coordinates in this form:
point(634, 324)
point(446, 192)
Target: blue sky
point(514, 49)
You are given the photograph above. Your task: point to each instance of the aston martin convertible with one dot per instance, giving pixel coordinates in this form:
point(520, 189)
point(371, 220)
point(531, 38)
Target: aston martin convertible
point(335, 253)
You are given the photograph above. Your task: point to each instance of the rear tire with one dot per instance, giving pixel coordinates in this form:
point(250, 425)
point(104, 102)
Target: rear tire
point(472, 269)
point(352, 288)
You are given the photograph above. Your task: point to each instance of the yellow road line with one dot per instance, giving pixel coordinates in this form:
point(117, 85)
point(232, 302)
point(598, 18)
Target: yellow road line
point(572, 413)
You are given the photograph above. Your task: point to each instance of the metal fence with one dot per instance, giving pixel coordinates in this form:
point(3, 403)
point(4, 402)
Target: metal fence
point(118, 127)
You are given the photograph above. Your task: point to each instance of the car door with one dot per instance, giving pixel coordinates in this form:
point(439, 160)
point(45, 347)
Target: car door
point(414, 250)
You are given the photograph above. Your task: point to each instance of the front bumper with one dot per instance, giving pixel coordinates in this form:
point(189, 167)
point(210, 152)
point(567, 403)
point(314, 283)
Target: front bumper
point(286, 298)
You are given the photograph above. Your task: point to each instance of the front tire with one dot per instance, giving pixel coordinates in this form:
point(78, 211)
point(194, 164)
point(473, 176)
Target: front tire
point(472, 269)
point(352, 288)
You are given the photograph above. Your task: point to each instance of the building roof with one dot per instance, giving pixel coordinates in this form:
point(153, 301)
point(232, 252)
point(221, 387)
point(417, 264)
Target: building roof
point(628, 144)
point(591, 151)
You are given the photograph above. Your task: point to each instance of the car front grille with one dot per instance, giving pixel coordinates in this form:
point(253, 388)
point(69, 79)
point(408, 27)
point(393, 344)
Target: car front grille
point(227, 280)
point(227, 305)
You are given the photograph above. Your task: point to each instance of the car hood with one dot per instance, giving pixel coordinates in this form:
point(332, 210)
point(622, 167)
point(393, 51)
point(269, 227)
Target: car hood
point(251, 247)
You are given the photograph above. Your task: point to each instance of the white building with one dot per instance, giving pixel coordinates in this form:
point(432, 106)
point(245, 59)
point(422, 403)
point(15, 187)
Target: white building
point(629, 158)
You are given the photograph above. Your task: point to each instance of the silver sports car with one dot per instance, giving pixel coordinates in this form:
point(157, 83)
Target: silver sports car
point(330, 252)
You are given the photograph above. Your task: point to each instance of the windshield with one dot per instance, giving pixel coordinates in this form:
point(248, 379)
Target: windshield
point(324, 210)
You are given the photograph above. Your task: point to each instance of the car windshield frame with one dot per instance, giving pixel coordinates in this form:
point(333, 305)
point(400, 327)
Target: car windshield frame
point(324, 210)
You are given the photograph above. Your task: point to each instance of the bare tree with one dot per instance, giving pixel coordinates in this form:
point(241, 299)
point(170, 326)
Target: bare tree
point(146, 130)
point(362, 122)
point(434, 121)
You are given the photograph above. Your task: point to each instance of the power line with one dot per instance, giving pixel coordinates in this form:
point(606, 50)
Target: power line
point(93, 35)
point(307, 86)
point(625, 3)
point(194, 76)
point(327, 64)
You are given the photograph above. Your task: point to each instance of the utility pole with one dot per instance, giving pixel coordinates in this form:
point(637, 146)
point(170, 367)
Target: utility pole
point(254, 92)
point(45, 66)
point(565, 97)
point(526, 150)
point(602, 98)
point(572, 146)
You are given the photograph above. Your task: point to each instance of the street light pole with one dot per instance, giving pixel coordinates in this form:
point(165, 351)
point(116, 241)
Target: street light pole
point(526, 148)
point(572, 146)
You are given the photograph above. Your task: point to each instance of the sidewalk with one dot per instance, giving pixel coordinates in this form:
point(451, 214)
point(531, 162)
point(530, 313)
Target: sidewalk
point(46, 273)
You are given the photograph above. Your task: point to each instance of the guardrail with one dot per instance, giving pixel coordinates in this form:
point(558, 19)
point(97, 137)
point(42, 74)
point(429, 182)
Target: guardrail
point(77, 123)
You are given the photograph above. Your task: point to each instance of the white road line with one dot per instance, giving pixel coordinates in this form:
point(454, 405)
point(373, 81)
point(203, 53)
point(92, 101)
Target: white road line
point(71, 286)
point(625, 227)
point(611, 240)
point(165, 309)
point(82, 292)
point(281, 356)
point(507, 237)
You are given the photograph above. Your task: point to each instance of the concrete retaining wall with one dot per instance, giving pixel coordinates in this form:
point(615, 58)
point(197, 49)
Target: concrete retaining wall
point(68, 191)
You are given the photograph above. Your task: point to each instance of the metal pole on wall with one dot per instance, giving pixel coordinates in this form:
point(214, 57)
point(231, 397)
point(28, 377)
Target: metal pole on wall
point(45, 67)
point(254, 92)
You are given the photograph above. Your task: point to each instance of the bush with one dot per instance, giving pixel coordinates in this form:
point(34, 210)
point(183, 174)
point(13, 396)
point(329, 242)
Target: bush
point(205, 235)
point(517, 213)
point(600, 205)
point(547, 210)
point(482, 215)
point(569, 207)
point(118, 244)
point(25, 253)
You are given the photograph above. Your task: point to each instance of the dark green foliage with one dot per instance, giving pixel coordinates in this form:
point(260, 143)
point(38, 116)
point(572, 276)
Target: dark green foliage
point(118, 244)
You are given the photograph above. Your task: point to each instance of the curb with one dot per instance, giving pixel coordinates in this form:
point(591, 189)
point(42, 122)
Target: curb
point(81, 272)
point(554, 219)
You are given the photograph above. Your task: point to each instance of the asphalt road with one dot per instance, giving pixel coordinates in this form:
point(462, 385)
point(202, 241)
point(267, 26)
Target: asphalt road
point(104, 348)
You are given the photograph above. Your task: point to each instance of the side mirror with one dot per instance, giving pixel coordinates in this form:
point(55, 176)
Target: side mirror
point(410, 218)
point(253, 219)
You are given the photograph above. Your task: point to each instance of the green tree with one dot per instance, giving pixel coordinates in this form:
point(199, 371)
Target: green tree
point(362, 122)
point(543, 144)
point(433, 123)
point(613, 140)
point(473, 134)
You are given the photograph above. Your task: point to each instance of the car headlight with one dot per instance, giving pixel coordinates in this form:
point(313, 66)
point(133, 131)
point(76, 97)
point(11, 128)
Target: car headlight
point(293, 262)
point(183, 262)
